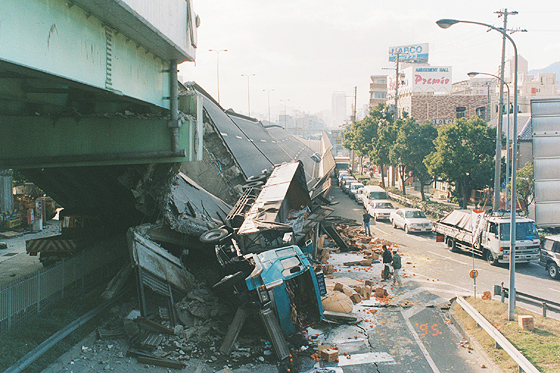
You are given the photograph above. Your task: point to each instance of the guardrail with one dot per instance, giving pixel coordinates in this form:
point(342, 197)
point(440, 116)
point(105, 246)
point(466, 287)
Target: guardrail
point(502, 341)
point(529, 299)
point(417, 204)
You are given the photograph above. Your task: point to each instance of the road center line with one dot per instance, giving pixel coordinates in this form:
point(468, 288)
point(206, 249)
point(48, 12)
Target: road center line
point(448, 258)
point(558, 291)
point(418, 238)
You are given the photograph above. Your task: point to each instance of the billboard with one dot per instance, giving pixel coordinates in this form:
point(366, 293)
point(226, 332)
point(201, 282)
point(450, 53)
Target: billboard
point(426, 79)
point(545, 120)
point(410, 53)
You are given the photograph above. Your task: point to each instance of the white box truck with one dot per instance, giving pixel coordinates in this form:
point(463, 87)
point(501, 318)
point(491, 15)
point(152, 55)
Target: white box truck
point(491, 238)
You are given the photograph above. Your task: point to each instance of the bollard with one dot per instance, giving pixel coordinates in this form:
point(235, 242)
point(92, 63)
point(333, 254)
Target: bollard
point(544, 307)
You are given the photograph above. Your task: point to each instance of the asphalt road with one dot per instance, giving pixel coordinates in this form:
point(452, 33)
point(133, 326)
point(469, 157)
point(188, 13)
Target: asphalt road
point(451, 269)
point(419, 338)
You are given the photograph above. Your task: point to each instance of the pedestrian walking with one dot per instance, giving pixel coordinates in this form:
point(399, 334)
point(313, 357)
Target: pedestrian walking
point(396, 268)
point(387, 262)
point(366, 217)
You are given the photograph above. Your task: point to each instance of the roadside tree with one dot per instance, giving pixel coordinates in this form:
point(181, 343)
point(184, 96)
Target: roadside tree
point(525, 186)
point(464, 156)
point(413, 144)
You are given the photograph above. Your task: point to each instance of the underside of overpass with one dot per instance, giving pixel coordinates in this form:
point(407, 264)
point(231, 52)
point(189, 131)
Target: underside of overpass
point(91, 112)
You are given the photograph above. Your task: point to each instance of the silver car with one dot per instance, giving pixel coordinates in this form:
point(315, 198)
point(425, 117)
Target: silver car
point(380, 209)
point(411, 220)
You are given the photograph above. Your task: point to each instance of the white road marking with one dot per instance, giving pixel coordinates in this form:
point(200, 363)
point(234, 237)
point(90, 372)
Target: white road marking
point(379, 230)
point(421, 345)
point(418, 238)
point(448, 258)
point(558, 291)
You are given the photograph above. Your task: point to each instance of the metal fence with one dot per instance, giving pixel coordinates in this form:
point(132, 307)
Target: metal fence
point(28, 296)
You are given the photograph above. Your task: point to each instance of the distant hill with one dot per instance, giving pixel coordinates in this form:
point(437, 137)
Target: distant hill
point(553, 68)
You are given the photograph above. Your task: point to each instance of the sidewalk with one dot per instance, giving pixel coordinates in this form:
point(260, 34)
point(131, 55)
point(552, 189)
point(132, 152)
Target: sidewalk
point(411, 191)
point(14, 260)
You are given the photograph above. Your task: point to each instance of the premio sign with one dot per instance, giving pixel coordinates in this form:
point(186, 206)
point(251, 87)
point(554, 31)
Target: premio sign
point(426, 79)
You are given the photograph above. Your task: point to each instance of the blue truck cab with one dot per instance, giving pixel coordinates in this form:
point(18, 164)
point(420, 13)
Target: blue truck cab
point(285, 278)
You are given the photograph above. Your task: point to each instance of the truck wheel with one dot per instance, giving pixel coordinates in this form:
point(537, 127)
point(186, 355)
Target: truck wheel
point(214, 236)
point(553, 271)
point(451, 245)
point(490, 257)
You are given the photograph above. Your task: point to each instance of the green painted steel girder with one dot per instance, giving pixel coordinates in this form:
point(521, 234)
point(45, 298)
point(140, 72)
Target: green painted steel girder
point(69, 42)
point(41, 142)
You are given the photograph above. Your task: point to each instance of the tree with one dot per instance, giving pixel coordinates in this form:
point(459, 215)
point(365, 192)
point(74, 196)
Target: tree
point(386, 135)
point(363, 136)
point(413, 144)
point(525, 186)
point(464, 155)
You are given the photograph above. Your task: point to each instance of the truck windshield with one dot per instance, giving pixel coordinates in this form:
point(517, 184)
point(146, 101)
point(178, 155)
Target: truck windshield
point(378, 195)
point(525, 231)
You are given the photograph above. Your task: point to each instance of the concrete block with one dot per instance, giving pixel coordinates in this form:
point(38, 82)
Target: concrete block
point(526, 322)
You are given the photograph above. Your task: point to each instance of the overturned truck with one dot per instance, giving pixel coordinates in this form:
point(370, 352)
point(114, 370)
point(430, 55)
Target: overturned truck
point(266, 251)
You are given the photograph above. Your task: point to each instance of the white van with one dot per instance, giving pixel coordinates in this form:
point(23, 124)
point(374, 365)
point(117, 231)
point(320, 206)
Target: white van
point(372, 193)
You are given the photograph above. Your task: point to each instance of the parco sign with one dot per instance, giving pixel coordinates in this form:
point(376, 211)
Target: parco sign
point(410, 53)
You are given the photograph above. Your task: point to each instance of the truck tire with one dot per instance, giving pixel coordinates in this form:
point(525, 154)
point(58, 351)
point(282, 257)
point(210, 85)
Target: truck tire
point(214, 236)
point(489, 257)
point(553, 270)
point(451, 245)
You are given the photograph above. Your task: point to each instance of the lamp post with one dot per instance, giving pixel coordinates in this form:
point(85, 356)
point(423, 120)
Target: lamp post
point(218, 67)
point(285, 113)
point(475, 73)
point(268, 94)
point(248, 93)
point(446, 23)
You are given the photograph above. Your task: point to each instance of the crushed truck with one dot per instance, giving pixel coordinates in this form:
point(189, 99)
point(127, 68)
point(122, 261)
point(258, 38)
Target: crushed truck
point(266, 252)
point(490, 238)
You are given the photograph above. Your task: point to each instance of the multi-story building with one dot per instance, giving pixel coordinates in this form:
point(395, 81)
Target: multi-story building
point(543, 85)
point(377, 90)
point(426, 94)
point(339, 116)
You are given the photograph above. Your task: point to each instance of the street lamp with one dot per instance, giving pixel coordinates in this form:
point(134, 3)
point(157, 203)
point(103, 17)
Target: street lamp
point(268, 93)
point(446, 23)
point(248, 93)
point(218, 67)
point(473, 74)
point(285, 113)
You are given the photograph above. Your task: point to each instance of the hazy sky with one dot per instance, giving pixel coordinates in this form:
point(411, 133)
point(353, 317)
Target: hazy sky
point(306, 49)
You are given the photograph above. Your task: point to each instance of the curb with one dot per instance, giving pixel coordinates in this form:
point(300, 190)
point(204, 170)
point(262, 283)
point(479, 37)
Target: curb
point(491, 366)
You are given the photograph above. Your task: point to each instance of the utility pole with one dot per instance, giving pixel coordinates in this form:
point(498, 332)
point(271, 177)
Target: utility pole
point(268, 93)
point(498, 160)
point(397, 87)
point(218, 67)
point(354, 121)
point(248, 93)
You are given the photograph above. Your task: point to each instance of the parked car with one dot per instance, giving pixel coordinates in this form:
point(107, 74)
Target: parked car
point(340, 174)
point(550, 255)
point(374, 193)
point(353, 189)
point(411, 220)
point(343, 178)
point(380, 209)
point(360, 196)
point(346, 184)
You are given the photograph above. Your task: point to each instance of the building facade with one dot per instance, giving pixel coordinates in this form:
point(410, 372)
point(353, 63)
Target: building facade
point(377, 90)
